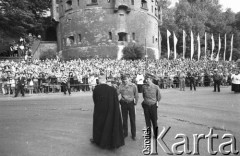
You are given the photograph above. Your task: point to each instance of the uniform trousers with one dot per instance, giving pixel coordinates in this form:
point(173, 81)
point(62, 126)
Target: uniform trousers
point(139, 86)
point(217, 85)
point(192, 84)
point(128, 108)
point(66, 87)
point(150, 113)
point(182, 84)
point(21, 89)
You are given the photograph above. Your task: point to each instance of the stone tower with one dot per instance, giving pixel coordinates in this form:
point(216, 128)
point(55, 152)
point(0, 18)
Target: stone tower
point(101, 28)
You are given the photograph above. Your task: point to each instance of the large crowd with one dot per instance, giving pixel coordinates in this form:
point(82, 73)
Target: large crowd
point(46, 76)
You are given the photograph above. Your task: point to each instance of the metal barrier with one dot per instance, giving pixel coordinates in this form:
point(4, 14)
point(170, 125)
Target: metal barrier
point(57, 87)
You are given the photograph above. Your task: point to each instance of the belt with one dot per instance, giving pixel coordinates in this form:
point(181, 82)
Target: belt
point(125, 101)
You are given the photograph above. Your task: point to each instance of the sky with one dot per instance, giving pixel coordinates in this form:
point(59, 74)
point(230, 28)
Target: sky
point(233, 4)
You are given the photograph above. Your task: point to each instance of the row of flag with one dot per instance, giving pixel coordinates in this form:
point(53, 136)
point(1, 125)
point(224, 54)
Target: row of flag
point(175, 40)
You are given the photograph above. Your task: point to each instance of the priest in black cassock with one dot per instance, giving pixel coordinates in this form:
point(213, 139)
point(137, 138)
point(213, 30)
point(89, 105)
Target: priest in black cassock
point(107, 122)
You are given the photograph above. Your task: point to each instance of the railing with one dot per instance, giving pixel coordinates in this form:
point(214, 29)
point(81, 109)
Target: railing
point(58, 87)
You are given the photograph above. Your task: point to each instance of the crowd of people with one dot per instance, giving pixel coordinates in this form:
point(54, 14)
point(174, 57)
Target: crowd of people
point(81, 75)
point(22, 46)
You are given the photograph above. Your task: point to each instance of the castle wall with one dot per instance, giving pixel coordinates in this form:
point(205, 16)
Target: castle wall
point(85, 29)
point(44, 47)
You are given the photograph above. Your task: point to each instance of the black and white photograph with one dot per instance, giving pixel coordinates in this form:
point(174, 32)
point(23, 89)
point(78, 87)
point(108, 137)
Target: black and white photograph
point(119, 77)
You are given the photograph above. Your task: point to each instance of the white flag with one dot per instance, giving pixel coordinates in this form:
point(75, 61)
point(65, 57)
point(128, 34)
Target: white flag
point(230, 58)
point(199, 47)
point(192, 45)
point(184, 44)
point(225, 46)
point(219, 48)
point(159, 44)
point(175, 40)
point(213, 45)
point(168, 45)
point(205, 45)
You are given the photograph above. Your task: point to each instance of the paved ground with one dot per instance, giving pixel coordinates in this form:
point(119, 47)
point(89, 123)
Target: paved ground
point(58, 125)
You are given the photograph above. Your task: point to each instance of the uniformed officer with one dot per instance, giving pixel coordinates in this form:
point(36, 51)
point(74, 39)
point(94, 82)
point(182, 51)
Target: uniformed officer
point(129, 98)
point(151, 96)
point(192, 80)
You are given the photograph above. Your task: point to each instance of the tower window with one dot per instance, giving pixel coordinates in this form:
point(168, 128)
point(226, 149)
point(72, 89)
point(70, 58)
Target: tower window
point(62, 9)
point(69, 4)
point(78, 2)
point(79, 38)
point(92, 2)
point(133, 36)
point(110, 35)
point(70, 40)
point(63, 41)
point(132, 1)
point(95, 1)
point(144, 4)
point(153, 39)
point(122, 36)
point(69, 20)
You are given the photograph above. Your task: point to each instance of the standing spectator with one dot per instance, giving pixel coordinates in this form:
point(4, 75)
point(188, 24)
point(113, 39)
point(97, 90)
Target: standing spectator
point(139, 79)
point(12, 85)
point(182, 77)
point(20, 85)
point(11, 53)
point(4, 82)
point(129, 98)
point(30, 83)
point(1, 77)
point(151, 96)
point(71, 80)
point(192, 82)
point(217, 78)
point(85, 83)
point(16, 51)
point(65, 84)
point(92, 81)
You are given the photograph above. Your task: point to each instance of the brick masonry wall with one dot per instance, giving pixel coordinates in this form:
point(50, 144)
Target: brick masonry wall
point(94, 23)
point(45, 47)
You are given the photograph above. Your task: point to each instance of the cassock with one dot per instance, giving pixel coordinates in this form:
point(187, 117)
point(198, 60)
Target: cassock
point(107, 122)
point(235, 82)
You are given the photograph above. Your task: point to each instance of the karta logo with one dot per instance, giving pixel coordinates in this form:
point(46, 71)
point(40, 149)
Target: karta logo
point(151, 144)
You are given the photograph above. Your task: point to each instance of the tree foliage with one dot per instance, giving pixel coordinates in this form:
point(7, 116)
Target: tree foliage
point(17, 17)
point(200, 16)
point(133, 51)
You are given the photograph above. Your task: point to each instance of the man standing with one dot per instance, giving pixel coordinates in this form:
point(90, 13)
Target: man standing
point(192, 81)
point(107, 122)
point(129, 98)
point(139, 79)
point(217, 78)
point(65, 84)
point(182, 81)
point(151, 98)
point(20, 85)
